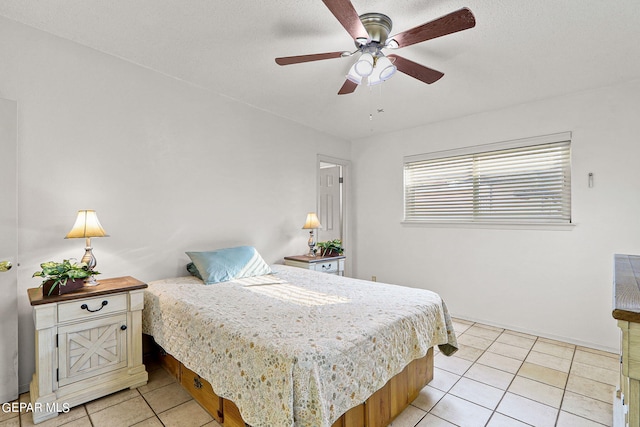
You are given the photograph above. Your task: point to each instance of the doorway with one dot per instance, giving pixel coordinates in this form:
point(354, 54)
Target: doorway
point(333, 180)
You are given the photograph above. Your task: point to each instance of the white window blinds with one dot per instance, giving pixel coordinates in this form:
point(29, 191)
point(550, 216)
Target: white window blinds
point(522, 184)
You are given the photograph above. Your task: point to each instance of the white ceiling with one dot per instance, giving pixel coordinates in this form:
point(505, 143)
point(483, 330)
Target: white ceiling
point(520, 50)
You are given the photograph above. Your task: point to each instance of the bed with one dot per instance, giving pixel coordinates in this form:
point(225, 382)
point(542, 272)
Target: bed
point(295, 347)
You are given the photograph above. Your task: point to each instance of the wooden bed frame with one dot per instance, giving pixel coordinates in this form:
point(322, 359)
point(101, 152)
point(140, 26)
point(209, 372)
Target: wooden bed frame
point(378, 411)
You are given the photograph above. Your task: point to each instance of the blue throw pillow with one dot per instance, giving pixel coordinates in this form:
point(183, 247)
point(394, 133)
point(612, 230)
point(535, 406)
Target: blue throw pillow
point(228, 264)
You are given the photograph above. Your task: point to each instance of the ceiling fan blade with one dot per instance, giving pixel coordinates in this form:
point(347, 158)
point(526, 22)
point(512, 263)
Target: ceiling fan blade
point(415, 70)
point(288, 60)
point(346, 14)
point(456, 21)
point(348, 87)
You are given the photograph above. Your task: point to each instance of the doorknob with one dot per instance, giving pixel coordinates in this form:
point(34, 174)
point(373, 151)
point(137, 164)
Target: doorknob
point(5, 266)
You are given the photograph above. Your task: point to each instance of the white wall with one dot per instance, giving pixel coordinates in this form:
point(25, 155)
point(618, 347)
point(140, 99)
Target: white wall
point(552, 283)
point(167, 166)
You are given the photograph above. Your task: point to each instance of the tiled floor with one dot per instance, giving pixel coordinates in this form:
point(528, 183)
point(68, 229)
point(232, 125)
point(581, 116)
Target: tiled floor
point(498, 378)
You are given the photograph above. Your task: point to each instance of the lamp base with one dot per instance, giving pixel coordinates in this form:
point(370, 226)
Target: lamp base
point(312, 244)
point(90, 260)
point(91, 281)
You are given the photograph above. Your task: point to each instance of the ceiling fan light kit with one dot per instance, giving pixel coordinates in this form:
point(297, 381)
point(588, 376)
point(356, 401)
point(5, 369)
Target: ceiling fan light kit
point(370, 33)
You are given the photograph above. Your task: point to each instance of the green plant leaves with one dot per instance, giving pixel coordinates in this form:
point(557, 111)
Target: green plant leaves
point(60, 272)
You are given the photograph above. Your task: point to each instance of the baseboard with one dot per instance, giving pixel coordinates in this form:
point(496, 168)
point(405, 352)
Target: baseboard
point(542, 334)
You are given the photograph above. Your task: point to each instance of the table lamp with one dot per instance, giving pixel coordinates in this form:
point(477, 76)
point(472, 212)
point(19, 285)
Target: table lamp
point(311, 224)
point(87, 226)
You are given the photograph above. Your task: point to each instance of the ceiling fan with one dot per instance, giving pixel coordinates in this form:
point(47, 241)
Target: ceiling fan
point(370, 33)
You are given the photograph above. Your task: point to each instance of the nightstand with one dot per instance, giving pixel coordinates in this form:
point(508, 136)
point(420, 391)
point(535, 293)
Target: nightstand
point(88, 344)
point(323, 264)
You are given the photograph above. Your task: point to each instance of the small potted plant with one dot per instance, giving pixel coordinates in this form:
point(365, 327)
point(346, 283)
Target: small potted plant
point(63, 277)
point(331, 247)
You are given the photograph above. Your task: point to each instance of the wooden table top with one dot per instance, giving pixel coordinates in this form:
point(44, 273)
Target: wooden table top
point(105, 286)
point(307, 258)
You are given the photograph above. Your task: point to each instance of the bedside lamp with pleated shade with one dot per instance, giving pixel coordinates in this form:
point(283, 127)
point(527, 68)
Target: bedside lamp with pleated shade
point(312, 222)
point(87, 226)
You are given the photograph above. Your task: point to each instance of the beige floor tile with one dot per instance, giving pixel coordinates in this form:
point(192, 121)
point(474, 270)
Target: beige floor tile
point(500, 362)
point(487, 332)
point(149, 422)
point(110, 400)
point(427, 398)
point(213, 423)
point(409, 417)
point(494, 328)
point(80, 422)
point(126, 413)
point(166, 397)
point(587, 407)
point(595, 359)
point(602, 375)
point(477, 392)
point(461, 412)
point(8, 412)
point(187, 414)
point(521, 334)
point(474, 341)
point(549, 361)
point(516, 340)
point(491, 376)
point(468, 353)
point(499, 420)
point(554, 349)
point(433, 421)
point(508, 350)
point(443, 380)
point(460, 326)
point(452, 364)
point(615, 356)
point(543, 374)
point(527, 411)
point(26, 419)
point(566, 419)
point(157, 378)
point(462, 321)
point(534, 390)
point(10, 422)
point(590, 388)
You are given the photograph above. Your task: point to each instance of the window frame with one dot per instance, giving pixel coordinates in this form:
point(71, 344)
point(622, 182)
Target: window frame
point(480, 149)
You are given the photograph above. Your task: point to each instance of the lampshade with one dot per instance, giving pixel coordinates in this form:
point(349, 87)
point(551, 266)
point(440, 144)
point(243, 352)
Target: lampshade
point(383, 71)
point(364, 66)
point(86, 225)
point(312, 221)
point(353, 76)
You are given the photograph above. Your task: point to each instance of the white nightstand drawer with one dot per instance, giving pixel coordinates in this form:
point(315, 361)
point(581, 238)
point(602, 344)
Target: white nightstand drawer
point(326, 267)
point(329, 264)
point(91, 307)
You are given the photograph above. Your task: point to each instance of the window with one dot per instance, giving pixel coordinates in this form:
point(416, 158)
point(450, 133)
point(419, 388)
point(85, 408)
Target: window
point(523, 181)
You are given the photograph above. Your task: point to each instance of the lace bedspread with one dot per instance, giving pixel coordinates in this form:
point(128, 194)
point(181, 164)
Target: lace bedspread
point(295, 348)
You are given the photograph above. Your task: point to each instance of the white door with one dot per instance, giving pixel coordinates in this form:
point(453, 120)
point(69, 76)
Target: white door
point(8, 253)
point(330, 202)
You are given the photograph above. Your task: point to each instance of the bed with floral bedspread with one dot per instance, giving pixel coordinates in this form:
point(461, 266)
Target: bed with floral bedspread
point(296, 347)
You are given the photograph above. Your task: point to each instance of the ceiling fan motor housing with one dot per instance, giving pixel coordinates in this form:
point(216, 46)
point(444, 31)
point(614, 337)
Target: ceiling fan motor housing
point(378, 26)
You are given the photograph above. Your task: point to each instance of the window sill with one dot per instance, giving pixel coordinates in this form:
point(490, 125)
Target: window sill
point(492, 225)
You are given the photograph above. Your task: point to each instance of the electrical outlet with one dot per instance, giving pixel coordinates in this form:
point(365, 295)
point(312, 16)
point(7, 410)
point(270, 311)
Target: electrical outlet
point(374, 279)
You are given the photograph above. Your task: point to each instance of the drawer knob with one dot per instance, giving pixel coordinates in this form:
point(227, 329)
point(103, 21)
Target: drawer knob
point(123, 327)
point(197, 383)
point(86, 307)
point(326, 267)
